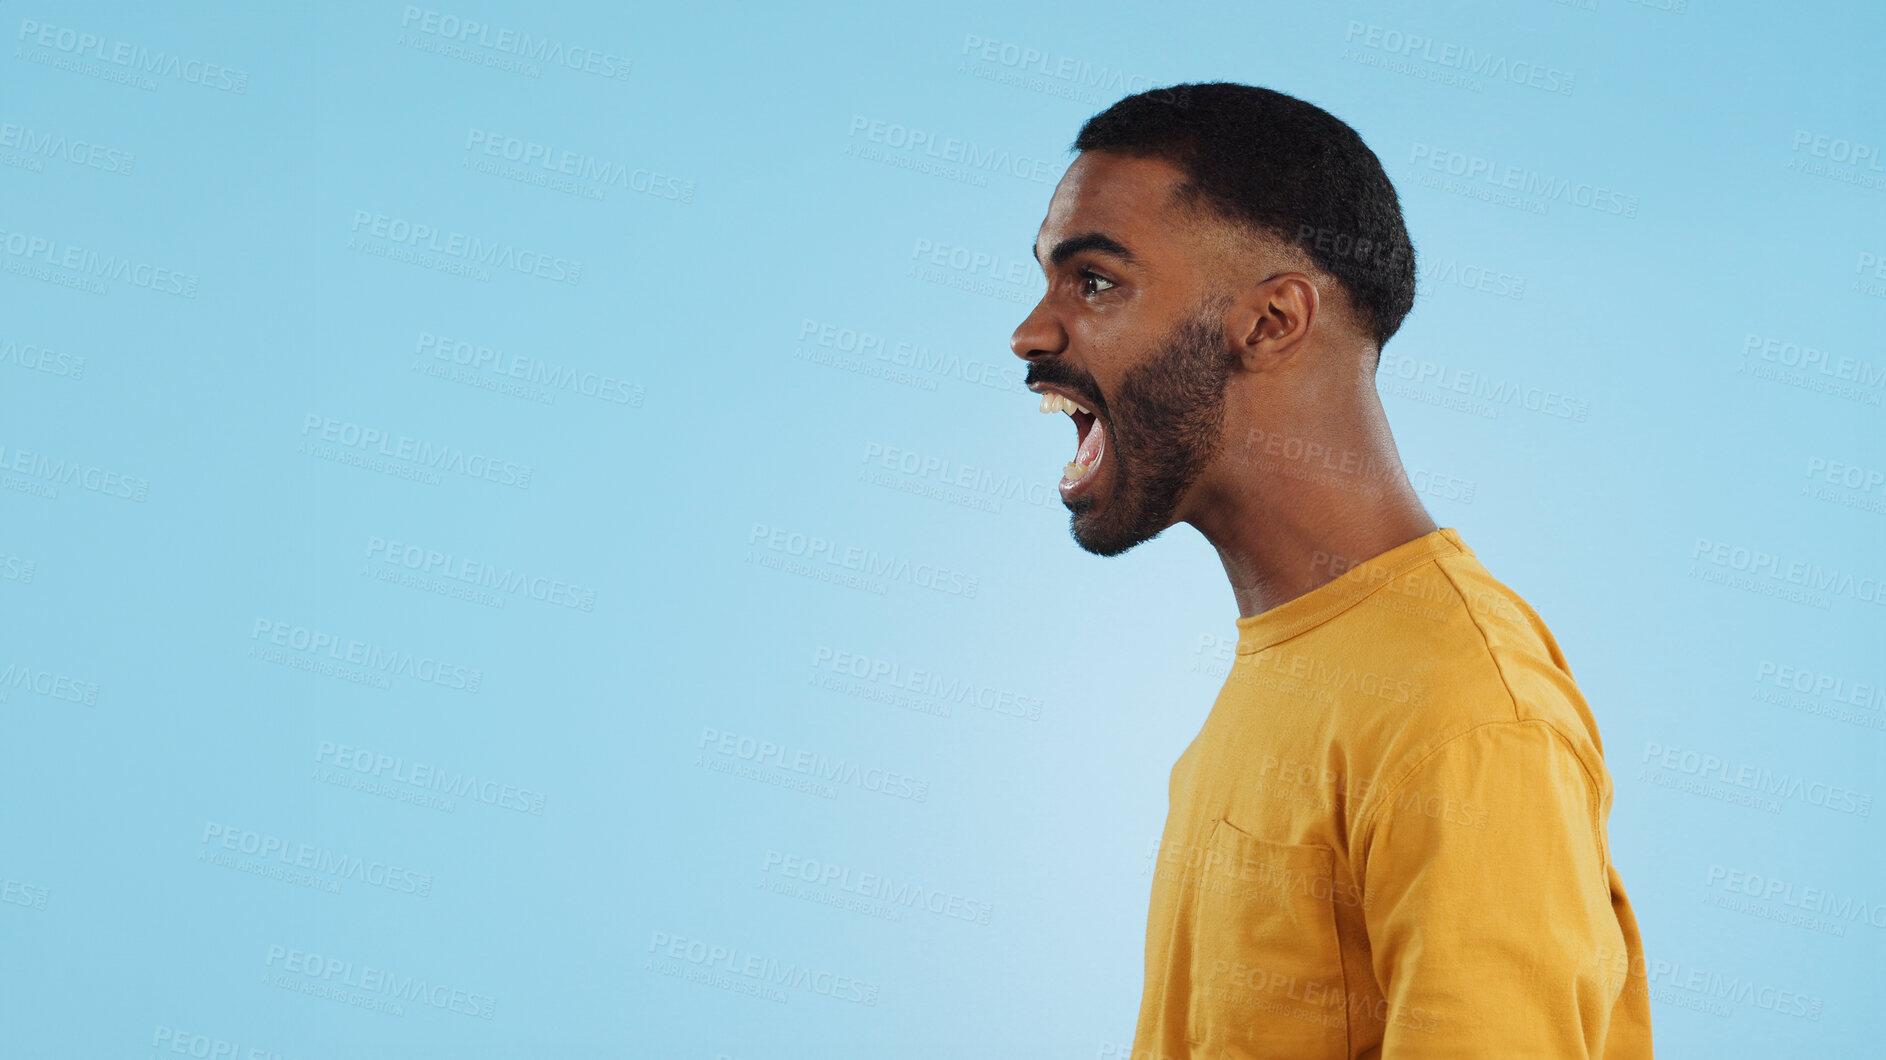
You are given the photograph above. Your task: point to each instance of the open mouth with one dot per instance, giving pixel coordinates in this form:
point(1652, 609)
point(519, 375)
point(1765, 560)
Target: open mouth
point(1090, 449)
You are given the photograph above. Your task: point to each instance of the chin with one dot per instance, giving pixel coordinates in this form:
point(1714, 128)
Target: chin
point(1095, 532)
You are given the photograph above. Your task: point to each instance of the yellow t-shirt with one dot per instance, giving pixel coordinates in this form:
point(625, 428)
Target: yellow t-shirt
point(1388, 838)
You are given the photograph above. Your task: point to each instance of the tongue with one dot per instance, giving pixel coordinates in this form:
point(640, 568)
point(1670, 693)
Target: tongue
point(1093, 446)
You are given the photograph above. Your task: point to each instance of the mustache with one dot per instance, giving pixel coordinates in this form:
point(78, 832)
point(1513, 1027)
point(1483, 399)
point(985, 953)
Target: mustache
point(1054, 372)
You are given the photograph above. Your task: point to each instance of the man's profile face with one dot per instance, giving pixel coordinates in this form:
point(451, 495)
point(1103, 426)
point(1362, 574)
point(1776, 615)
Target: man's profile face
point(1128, 331)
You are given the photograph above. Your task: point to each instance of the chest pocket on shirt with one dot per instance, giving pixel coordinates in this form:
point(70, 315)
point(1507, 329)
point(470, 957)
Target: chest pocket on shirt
point(1266, 968)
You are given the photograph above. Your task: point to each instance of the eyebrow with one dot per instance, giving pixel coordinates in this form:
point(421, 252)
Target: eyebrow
point(1073, 245)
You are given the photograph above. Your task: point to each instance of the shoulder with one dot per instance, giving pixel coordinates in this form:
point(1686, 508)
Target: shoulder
point(1520, 653)
point(1492, 681)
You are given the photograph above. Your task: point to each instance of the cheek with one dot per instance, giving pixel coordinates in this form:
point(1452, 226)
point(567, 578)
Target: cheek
point(1110, 338)
point(1107, 356)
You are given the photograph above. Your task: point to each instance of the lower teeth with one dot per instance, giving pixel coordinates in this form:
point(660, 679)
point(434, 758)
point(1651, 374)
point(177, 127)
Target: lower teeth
point(1074, 470)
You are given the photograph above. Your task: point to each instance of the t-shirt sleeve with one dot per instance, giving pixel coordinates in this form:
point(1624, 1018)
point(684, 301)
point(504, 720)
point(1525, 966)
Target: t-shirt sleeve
point(1488, 904)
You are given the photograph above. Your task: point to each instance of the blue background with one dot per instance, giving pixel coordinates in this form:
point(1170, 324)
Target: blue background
point(778, 300)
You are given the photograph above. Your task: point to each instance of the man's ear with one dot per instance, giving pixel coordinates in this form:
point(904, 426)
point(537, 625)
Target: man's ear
point(1270, 322)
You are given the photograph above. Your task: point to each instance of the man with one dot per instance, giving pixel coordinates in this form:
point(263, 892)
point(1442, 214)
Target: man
point(1388, 839)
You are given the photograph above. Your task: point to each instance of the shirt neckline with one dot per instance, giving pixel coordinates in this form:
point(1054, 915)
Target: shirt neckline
point(1337, 595)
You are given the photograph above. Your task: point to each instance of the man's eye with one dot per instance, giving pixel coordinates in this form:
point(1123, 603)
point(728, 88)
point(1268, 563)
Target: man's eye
point(1089, 274)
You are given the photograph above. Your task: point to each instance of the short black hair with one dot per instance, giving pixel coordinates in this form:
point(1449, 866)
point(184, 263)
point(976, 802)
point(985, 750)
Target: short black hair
point(1287, 168)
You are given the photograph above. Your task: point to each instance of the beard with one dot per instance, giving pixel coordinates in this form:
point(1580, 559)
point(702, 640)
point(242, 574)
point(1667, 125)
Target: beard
point(1163, 427)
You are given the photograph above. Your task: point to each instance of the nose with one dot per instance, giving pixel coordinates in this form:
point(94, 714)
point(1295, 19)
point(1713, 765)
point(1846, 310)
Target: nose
point(1039, 335)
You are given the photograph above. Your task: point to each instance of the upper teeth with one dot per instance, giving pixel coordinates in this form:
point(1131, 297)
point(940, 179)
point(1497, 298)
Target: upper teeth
point(1053, 402)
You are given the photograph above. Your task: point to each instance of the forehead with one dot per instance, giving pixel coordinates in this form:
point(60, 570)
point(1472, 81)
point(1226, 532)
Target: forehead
point(1126, 198)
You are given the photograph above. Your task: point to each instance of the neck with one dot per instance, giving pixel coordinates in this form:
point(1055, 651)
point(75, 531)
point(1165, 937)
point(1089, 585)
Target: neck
point(1292, 506)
